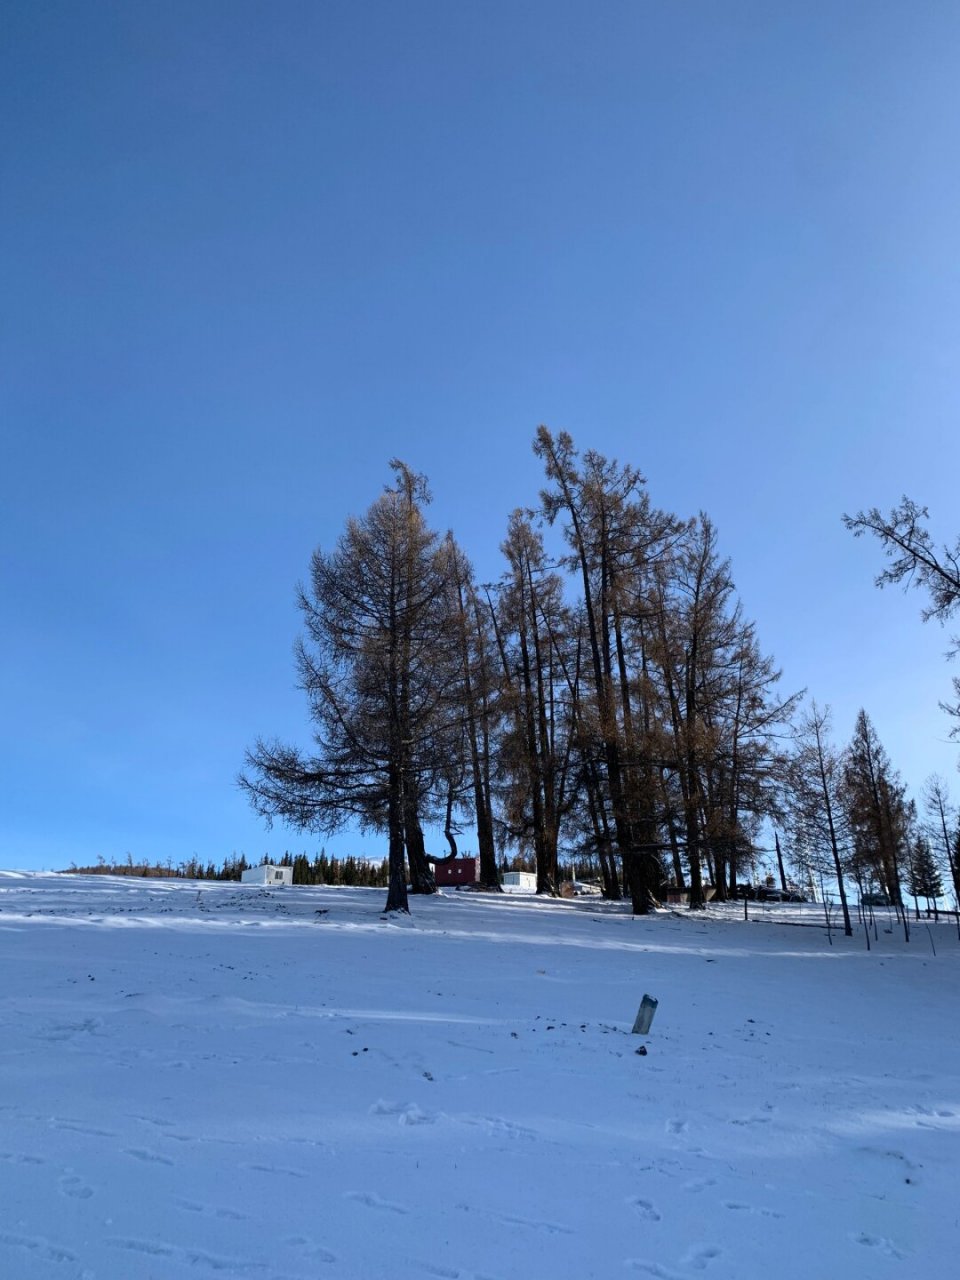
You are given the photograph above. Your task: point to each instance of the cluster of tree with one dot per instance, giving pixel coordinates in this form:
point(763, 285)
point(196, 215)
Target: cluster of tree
point(347, 871)
point(101, 867)
point(848, 810)
point(610, 701)
point(851, 820)
point(322, 869)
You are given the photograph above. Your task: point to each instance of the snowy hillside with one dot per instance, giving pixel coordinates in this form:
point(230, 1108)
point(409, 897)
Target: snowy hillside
point(281, 1084)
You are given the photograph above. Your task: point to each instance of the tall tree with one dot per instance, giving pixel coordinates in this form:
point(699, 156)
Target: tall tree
point(615, 537)
point(876, 808)
point(817, 818)
point(718, 698)
point(479, 698)
point(940, 814)
point(535, 756)
point(924, 873)
point(376, 664)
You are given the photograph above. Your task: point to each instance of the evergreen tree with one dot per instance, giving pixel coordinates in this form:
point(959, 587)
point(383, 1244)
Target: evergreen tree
point(925, 881)
point(876, 809)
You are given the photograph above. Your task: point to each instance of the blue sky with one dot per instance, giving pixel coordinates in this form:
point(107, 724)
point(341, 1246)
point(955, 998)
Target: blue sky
point(252, 251)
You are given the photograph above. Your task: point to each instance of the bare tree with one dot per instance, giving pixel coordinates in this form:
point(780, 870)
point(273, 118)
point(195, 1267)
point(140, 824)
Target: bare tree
point(940, 814)
point(479, 690)
point(817, 818)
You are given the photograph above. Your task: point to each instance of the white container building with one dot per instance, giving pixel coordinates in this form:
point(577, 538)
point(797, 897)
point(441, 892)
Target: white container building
point(520, 882)
point(267, 874)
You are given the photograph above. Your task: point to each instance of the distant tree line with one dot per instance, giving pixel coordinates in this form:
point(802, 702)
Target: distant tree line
point(605, 700)
point(321, 869)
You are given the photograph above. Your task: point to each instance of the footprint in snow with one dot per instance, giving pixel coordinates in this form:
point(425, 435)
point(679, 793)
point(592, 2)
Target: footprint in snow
point(701, 1257)
point(646, 1210)
point(192, 1206)
point(71, 1126)
point(274, 1170)
point(699, 1184)
point(309, 1249)
point(370, 1201)
point(738, 1207)
point(653, 1269)
point(37, 1247)
point(150, 1247)
point(676, 1126)
point(155, 1121)
point(73, 1186)
point(880, 1243)
point(148, 1157)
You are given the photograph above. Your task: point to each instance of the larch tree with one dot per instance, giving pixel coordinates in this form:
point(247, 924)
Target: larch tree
point(377, 663)
point(615, 536)
point(719, 713)
point(530, 622)
point(916, 561)
point(816, 813)
point(940, 816)
point(479, 690)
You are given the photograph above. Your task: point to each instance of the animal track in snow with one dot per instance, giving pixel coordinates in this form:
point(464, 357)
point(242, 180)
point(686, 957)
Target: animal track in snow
point(551, 1228)
point(72, 1126)
point(150, 1247)
point(194, 1257)
point(738, 1207)
point(701, 1257)
point(676, 1127)
point(309, 1249)
point(370, 1201)
point(39, 1248)
point(148, 1157)
point(275, 1170)
point(73, 1186)
point(881, 1243)
point(191, 1206)
point(887, 1153)
point(156, 1121)
point(654, 1269)
point(699, 1184)
point(646, 1210)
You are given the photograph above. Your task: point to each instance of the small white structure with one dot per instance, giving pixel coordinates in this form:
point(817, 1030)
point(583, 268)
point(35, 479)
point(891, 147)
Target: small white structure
point(519, 882)
point(267, 874)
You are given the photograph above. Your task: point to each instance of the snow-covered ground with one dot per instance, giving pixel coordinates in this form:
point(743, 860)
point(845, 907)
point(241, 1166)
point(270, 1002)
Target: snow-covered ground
point(283, 1084)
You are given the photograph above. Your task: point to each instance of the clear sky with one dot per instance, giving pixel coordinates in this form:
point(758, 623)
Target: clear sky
point(251, 251)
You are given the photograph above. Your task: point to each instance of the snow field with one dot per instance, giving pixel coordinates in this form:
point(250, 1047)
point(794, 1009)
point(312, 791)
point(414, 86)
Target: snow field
point(282, 1084)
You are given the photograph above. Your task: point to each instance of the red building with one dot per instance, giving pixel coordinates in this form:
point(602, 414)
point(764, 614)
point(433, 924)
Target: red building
point(459, 871)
